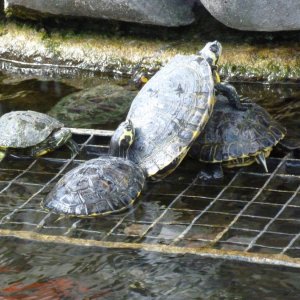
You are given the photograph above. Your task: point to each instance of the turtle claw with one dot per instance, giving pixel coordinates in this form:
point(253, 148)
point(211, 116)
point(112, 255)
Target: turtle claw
point(261, 159)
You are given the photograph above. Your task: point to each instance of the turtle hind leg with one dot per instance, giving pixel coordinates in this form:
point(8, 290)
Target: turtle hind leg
point(211, 172)
point(231, 94)
point(73, 146)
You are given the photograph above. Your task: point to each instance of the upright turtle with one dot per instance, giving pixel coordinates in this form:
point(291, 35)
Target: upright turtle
point(173, 107)
point(235, 138)
point(32, 133)
point(100, 186)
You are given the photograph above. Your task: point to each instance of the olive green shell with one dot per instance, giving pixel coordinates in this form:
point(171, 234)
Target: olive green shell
point(169, 112)
point(97, 187)
point(22, 129)
point(231, 133)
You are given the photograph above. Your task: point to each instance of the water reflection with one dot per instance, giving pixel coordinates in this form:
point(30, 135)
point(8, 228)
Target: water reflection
point(36, 270)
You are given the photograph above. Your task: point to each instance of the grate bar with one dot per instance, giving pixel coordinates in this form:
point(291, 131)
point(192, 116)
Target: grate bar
point(181, 236)
point(221, 234)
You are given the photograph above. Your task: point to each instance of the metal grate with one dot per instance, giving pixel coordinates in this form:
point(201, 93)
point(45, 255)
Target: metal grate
point(248, 215)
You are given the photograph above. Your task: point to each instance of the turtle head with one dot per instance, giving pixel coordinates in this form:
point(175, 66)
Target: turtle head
point(122, 139)
point(211, 52)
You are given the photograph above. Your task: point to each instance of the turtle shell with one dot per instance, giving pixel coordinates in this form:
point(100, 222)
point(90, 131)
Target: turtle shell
point(231, 133)
point(22, 129)
point(169, 112)
point(97, 187)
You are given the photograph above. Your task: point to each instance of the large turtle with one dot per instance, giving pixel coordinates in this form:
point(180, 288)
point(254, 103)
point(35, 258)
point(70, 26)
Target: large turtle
point(100, 186)
point(173, 107)
point(234, 138)
point(32, 133)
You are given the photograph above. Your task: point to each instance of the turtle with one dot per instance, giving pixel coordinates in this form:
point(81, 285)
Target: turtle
point(32, 133)
point(173, 107)
point(235, 138)
point(101, 186)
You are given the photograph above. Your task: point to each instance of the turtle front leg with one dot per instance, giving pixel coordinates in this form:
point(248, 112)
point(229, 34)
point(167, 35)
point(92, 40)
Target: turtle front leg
point(231, 94)
point(2, 154)
point(73, 146)
point(211, 172)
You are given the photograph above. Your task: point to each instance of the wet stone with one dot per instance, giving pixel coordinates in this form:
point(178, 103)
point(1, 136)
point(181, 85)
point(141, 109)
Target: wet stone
point(35, 178)
point(290, 167)
point(290, 213)
point(238, 236)
point(285, 183)
point(203, 191)
point(45, 165)
point(242, 194)
point(264, 250)
point(250, 180)
point(274, 197)
point(285, 226)
point(198, 232)
point(191, 203)
point(23, 191)
point(296, 200)
point(274, 240)
point(192, 243)
point(230, 246)
point(7, 175)
point(251, 223)
point(217, 219)
point(167, 232)
point(232, 207)
point(262, 210)
point(293, 252)
point(179, 217)
point(28, 216)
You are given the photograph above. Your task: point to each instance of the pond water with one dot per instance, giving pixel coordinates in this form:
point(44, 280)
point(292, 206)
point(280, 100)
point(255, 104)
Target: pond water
point(33, 270)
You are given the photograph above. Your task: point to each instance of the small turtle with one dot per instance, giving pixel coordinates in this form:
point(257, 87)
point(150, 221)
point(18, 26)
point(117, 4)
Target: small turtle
point(100, 186)
point(173, 107)
point(235, 138)
point(32, 133)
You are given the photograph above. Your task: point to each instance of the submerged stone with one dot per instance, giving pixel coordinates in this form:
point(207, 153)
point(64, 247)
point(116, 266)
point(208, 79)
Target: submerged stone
point(257, 15)
point(157, 12)
point(100, 105)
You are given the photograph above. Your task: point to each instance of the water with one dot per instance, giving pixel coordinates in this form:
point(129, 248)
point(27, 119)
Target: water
point(33, 270)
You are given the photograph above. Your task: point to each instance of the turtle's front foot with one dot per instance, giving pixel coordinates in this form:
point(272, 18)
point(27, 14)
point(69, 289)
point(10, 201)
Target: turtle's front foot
point(231, 94)
point(211, 172)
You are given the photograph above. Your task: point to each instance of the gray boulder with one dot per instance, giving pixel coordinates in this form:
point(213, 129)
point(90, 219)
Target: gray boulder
point(156, 12)
point(257, 15)
point(105, 104)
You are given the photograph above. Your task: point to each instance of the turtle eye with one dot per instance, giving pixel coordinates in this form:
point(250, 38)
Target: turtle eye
point(214, 48)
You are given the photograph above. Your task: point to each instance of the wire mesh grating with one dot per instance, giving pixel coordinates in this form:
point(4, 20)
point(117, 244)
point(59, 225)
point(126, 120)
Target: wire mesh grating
point(247, 212)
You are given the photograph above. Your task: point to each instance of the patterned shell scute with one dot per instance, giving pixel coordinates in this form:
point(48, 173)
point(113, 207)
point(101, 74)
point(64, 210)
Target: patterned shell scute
point(98, 186)
point(231, 133)
point(170, 111)
point(21, 129)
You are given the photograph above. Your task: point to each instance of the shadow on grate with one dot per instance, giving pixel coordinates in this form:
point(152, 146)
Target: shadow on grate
point(247, 213)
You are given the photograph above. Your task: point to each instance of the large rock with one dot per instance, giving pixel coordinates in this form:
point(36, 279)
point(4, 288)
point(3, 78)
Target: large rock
point(104, 105)
point(157, 12)
point(257, 15)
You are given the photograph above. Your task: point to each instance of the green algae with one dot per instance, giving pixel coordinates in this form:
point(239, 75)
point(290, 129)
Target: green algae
point(118, 48)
